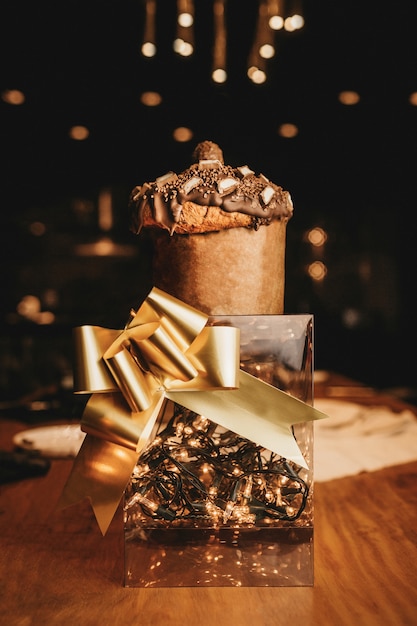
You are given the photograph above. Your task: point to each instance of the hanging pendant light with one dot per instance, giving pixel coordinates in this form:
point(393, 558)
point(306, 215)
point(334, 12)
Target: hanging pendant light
point(184, 41)
point(219, 73)
point(149, 36)
point(273, 16)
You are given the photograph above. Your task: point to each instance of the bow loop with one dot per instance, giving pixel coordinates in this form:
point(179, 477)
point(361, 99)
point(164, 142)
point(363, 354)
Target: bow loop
point(182, 322)
point(165, 356)
point(130, 378)
point(90, 371)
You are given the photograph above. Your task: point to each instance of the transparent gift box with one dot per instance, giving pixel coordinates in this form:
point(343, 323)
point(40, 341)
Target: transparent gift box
point(207, 507)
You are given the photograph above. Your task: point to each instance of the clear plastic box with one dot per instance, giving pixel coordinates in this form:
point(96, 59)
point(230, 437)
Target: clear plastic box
point(206, 507)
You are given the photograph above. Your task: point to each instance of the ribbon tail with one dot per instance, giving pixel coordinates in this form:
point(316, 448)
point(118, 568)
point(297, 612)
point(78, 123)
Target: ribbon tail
point(147, 420)
point(106, 459)
point(256, 411)
point(100, 472)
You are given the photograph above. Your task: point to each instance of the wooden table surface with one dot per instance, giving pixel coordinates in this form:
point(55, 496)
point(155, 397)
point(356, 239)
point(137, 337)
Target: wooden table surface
point(57, 569)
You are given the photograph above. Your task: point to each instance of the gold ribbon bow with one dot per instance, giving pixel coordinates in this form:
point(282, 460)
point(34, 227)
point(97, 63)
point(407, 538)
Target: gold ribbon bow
point(165, 352)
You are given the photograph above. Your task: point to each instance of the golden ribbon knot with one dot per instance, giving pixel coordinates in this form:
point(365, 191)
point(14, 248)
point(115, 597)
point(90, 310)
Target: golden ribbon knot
point(165, 352)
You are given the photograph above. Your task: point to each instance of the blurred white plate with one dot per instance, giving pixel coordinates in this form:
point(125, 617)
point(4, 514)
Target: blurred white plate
point(342, 412)
point(60, 441)
point(358, 420)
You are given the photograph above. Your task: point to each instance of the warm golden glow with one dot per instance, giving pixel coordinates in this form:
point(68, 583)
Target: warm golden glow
point(29, 307)
point(185, 13)
point(185, 20)
point(295, 22)
point(79, 133)
point(276, 22)
point(275, 12)
point(317, 270)
point(288, 25)
point(104, 247)
point(288, 130)
point(13, 96)
point(46, 317)
point(317, 236)
point(270, 20)
point(413, 98)
point(267, 51)
point(148, 49)
point(37, 229)
point(219, 76)
point(184, 41)
point(151, 98)
point(183, 48)
point(105, 210)
point(349, 97)
point(182, 134)
point(256, 75)
point(263, 46)
point(149, 38)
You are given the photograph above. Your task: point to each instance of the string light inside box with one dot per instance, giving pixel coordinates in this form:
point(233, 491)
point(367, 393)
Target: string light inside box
point(200, 475)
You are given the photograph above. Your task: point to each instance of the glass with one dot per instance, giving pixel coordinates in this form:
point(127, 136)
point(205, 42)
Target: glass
point(206, 507)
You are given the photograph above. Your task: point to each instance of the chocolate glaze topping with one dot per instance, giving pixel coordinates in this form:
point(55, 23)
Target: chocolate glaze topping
point(209, 182)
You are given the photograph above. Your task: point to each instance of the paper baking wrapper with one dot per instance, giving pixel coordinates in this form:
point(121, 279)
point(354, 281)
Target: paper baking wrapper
point(237, 271)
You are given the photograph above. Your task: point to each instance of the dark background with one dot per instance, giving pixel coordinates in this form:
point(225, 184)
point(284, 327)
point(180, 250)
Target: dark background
point(350, 169)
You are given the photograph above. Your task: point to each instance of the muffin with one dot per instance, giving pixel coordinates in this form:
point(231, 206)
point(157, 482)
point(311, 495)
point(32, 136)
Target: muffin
point(218, 235)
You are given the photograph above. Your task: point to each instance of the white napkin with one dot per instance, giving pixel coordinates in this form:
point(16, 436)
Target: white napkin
point(357, 438)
